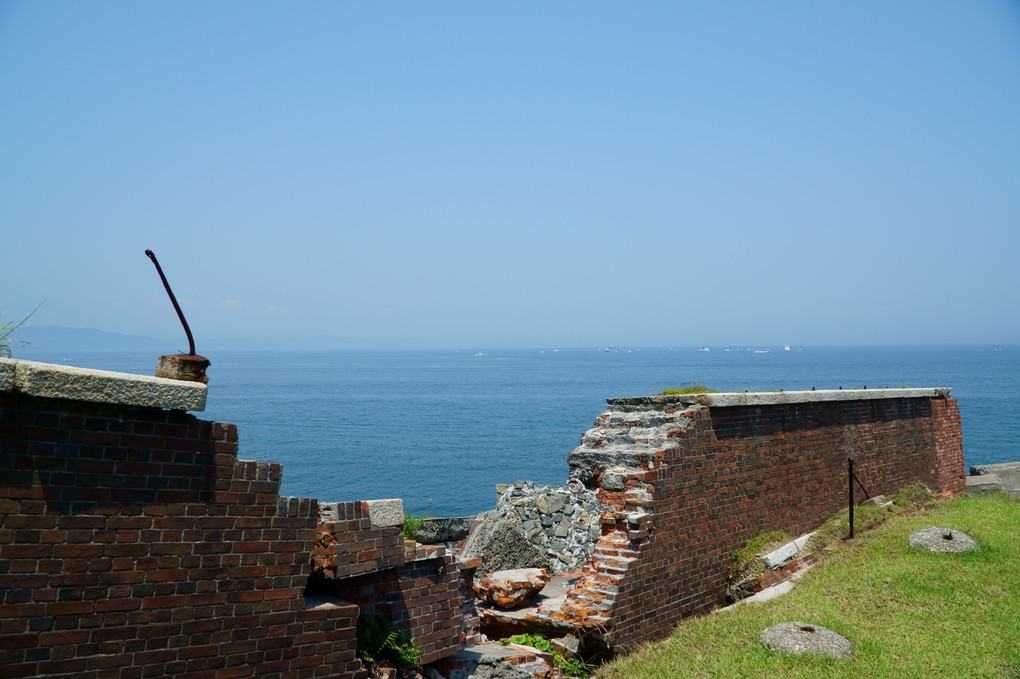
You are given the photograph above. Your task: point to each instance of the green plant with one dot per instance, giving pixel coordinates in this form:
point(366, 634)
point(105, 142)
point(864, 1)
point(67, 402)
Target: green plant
point(379, 641)
point(837, 527)
point(571, 667)
point(413, 522)
point(745, 562)
point(6, 330)
point(912, 495)
point(693, 388)
point(538, 641)
point(574, 667)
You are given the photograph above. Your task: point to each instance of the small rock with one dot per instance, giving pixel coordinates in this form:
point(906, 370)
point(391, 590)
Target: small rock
point(511, 588)
point(799, 637)
point(567, 646)
point(612, 481)
point(556, 502)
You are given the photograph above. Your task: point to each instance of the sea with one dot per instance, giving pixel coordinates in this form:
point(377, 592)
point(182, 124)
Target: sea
point(440, 428)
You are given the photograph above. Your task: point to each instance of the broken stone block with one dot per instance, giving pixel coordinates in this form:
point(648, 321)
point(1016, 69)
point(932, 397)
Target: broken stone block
point(511, 588)
point(385, 513)
point(436, 530)
point(501, 545)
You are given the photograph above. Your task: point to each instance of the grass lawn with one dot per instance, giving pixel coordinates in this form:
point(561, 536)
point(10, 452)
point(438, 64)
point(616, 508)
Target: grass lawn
point(908, 613)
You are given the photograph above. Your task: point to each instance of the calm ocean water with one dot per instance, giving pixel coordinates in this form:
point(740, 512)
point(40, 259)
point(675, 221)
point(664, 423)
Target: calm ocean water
point(441, 428)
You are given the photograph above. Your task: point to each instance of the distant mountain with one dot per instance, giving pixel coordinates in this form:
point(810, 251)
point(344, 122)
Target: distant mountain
point(57, 339)
point(51, 339)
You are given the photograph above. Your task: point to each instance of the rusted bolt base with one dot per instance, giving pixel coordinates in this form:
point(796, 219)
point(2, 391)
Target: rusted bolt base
point(187, 367)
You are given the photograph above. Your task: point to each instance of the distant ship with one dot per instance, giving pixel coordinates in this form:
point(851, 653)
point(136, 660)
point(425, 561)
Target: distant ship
point(762, 351)
point(703, 349)
point(786, 347)
point(481, 353)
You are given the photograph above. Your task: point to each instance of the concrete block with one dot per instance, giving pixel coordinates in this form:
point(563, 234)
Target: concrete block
point(7, 369)
point(437, 530)
point(49, 380)
point(785, 553)
point(385, 513)
point(986, 483)
point(1008, 473)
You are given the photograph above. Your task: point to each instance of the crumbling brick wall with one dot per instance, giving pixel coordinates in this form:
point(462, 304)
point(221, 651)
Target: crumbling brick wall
point(683, 486)
point(417, 587)
point(133, 543)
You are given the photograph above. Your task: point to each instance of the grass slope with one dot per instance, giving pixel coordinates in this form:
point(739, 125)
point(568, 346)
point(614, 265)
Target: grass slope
point(909, 613)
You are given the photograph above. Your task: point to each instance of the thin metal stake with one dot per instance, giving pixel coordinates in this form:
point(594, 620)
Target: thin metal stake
point(177, 307)
point(850, 491)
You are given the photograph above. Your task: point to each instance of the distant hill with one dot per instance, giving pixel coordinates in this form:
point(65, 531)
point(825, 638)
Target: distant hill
point(51, 339)
point(56, 339)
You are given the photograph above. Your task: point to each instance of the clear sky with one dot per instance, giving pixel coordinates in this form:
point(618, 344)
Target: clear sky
point(515, 174)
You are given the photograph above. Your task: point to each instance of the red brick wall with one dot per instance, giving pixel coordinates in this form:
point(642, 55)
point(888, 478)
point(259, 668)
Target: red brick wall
point(422, 598)
point(949, 445)
point(732, 473)
point(134, 544)
point(349, 545)
point(417, 587)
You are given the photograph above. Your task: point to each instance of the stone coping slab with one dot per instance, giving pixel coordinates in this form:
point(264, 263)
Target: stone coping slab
point(48, 380)
point(774, 398)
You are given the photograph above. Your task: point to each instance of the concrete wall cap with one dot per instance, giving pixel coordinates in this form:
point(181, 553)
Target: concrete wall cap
point(735, 399)
point(385, 513)
point(48, 380)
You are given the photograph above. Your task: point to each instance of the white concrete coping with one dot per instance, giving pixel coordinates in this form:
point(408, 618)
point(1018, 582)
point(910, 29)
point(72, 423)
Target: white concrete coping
point(780, 556)
point(48, 380)
point(774, 398)
point(385, 513)
point(732, 399)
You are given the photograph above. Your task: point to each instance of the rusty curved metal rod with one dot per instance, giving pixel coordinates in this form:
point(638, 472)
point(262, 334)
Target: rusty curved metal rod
point(177, 307)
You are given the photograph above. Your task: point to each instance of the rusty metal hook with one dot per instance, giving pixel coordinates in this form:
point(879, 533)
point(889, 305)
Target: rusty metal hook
point(177, 307)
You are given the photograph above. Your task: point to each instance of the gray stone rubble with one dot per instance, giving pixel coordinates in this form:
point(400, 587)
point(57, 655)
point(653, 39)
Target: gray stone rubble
point(801, 638)
point(534, 526)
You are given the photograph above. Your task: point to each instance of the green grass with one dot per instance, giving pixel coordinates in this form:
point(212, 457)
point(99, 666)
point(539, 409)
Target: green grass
point(412, 524)
point(908, 613)
point(693, 388)
point(6, 341)
point(745, 562)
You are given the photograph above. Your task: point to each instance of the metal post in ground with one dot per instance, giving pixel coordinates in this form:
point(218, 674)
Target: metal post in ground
point(850, 491)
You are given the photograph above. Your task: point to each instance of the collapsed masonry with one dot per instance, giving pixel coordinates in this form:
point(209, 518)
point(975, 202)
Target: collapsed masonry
point(133, 539)
point(683, 481)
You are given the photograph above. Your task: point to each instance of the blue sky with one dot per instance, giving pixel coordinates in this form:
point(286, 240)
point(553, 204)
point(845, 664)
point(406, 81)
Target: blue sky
point(515, 174)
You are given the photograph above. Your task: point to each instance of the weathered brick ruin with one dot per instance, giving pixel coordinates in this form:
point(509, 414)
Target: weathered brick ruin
point(134, 543)
point(684, 481)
